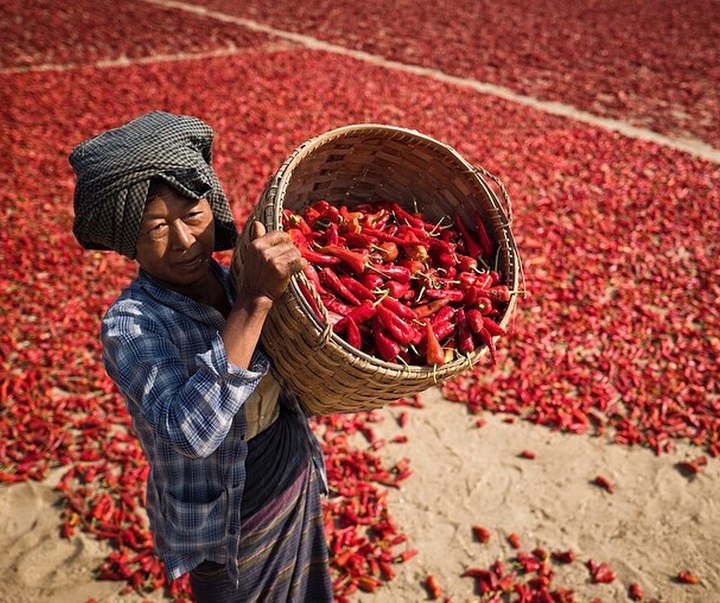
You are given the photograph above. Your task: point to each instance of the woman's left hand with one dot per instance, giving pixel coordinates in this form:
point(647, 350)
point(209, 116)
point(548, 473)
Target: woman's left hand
point(270, 261)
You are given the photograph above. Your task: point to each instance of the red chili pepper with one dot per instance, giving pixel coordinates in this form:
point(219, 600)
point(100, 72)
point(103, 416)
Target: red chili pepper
point(333, 282)
point(317, 258)
point(312, 275)
point(352, 333)
point(401, 214)
point(441, 246)
point(311, 215)
point(445, 262)
point(563, 556)
point(445, 314)
point(388, 349)
point(357, 288)
point(355, 260)
point(514, 540)
point(359, 240)
point(472, 247)
point(465, 262)
point(482, 534)
point(483, 236)
point(320, 207)
point(687, 578)
point(396, 273)
point(464, 336)
point(405, 555)
point(310, 300)
point(388, 573)
point(298, 237)
point(414, 266)
point(433, 587)
point(398, 308)
point(350, 219)
point(400, 331)
point(368, 584)
point(490, 343)
point(444, 329)
point(431, 308)
point(602, 573)
point(364, 312)
point(499, 293)
point(337, 306)
point(454, 295)
point(635, 592)
point(471, 295)
point(293, 221)
point(492, 327)
point(397, 290)
point(383, 235)
point(604, 483)
point(332, 236)
point(434, 355)
point(372, 280)
point(485, 280)
point(417, 252)
point(484, 305)
point(475, 320)
point(388, 251)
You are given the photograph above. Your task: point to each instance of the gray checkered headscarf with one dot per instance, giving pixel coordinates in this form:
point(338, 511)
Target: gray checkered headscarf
point(114, 170)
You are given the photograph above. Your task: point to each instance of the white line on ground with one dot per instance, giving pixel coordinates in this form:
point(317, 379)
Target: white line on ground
point(231, 50)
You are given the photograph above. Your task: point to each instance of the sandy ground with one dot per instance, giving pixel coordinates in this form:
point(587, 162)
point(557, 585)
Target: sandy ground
point(656, 523)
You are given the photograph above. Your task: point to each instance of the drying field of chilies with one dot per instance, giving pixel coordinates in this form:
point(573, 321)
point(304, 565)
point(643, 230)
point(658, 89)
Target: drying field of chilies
point(576, 462)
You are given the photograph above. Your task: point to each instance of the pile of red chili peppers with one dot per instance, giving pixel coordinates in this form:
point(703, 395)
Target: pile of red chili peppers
point(397, 286)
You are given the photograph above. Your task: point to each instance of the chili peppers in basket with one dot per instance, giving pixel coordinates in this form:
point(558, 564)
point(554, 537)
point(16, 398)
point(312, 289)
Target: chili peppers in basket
point(399, 286)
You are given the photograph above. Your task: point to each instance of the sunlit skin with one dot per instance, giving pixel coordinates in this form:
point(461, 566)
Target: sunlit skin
point(175, 243)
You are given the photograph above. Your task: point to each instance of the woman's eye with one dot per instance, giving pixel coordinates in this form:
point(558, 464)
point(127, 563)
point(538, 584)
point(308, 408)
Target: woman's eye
point(194, 216)
point(156, 230)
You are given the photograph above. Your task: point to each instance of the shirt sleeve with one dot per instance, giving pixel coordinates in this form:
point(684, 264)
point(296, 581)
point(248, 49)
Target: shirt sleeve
point(190, 407)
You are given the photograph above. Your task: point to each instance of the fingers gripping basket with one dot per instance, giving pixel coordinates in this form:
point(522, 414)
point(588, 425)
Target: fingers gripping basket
point(352, 165)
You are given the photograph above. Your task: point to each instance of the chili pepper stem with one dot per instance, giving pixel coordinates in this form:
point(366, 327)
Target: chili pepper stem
point(383, 295)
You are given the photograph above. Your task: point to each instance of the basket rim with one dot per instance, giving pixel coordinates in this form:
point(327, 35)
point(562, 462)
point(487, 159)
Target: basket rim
point(280, 182)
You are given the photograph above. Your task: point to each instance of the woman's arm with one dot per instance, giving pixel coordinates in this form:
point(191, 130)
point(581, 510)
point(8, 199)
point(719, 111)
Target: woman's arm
point(269, 263)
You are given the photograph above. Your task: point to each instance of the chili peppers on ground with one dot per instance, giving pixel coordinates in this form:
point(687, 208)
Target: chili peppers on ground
point(437, 295)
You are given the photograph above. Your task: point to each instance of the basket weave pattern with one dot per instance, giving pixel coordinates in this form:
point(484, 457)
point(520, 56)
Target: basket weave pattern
point(351, 165)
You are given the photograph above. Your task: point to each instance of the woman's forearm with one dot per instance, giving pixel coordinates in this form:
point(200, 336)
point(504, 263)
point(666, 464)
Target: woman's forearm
point(243, 327)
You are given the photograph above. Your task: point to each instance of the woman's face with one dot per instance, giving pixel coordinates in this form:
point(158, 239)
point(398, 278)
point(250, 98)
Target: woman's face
point(176, 239)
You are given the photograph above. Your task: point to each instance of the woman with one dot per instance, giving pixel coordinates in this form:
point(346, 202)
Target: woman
point(233, 493)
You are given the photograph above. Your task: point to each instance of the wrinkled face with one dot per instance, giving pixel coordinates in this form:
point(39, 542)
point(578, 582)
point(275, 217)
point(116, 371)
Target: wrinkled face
point(176, 238)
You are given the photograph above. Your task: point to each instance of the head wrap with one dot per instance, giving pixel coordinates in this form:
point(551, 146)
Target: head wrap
point(114, 170)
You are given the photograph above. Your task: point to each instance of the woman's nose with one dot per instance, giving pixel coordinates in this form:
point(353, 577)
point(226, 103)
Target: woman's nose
point(183, 237)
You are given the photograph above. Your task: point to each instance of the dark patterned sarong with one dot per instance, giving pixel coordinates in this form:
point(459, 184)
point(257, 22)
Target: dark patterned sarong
point(283, 555)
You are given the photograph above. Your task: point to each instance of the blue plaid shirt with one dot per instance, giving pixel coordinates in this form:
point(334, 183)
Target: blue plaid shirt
point(165, 353)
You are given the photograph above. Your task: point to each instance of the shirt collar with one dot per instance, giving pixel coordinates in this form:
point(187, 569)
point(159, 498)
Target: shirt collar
point(181, 303)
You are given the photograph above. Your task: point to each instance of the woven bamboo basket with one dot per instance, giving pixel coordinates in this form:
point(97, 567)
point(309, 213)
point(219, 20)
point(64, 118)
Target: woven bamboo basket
point(351, 165)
